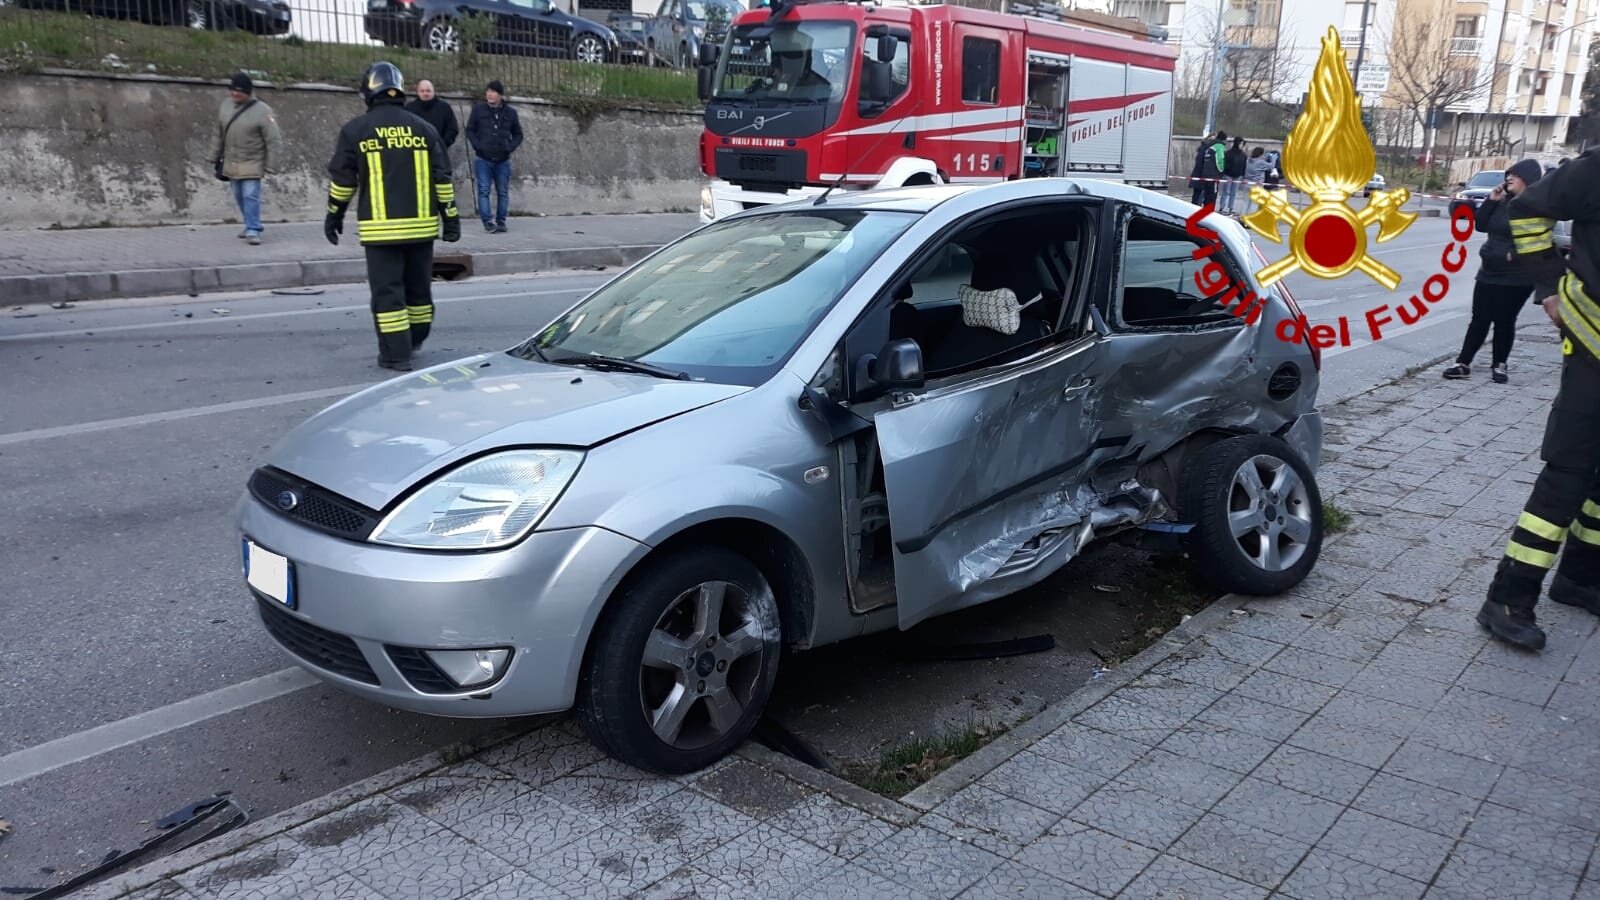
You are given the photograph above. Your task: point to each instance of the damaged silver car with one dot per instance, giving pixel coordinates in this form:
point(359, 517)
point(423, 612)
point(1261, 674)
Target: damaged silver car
point(792, 427)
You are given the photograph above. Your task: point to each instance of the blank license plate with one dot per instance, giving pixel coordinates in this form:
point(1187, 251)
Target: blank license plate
point(269, 573)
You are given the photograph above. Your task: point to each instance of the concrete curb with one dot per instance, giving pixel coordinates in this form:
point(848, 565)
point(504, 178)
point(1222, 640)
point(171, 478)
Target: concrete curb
point(71, 287)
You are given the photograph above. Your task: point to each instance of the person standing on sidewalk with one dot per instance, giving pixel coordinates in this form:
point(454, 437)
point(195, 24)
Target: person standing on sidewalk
point(428, 107)
point(1233, 167)
point(1255, 174)
point(1565, 501)
point(246, 148)
point(398, 163)
point(494, 132)
point(1502, 287)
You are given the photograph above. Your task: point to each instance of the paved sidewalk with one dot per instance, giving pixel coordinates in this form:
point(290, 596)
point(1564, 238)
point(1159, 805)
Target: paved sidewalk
point(92, 263)
point(1358, 737)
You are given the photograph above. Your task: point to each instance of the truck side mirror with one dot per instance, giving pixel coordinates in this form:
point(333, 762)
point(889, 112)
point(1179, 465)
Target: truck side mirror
point(704, 81)
point(887, 44)
point(898, 366)
point(708, 54)
point(877, 83)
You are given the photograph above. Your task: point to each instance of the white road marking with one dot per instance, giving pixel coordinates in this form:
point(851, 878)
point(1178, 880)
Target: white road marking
point(40, 434)
point(217, 320)
point(1390, 333)
point(75, 748)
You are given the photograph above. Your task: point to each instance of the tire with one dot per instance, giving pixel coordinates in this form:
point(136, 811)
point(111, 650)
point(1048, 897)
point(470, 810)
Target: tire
point(441, 37)
point(665, 609)
point(586, 48)
point(1272, 554)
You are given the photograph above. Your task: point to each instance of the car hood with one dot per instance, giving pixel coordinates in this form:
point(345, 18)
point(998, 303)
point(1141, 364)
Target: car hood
point(372, 446)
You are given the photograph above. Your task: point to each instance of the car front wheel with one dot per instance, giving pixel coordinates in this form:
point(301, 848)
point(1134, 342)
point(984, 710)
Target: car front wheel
point(682, 662)
point(588, 49)
point(441, 37)
point(1257, 515)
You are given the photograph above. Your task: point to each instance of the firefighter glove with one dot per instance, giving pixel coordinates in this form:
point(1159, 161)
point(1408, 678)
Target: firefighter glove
point(332, 227)
point(452, 229)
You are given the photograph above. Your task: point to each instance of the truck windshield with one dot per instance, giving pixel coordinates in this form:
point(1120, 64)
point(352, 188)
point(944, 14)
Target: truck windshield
point(806, 61)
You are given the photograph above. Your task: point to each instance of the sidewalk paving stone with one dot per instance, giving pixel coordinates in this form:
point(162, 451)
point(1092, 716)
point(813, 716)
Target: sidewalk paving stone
point(1357, 737)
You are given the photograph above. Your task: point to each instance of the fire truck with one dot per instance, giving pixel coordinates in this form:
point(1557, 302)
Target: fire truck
point(807, 95)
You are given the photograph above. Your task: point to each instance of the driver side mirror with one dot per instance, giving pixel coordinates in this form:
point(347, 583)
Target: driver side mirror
point(704, 81)
point(877, 83)
point(897, 367)
point(887, 44)
point(708, 54)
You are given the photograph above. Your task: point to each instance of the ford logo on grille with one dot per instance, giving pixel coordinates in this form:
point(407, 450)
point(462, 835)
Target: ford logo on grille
point(288, 500)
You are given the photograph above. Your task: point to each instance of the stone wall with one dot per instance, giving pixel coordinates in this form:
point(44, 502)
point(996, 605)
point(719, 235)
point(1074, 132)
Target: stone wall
point(132, 150)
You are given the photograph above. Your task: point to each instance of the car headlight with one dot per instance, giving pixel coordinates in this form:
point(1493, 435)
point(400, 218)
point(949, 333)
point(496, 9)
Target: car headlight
point(489, 502)
point(1460, 196)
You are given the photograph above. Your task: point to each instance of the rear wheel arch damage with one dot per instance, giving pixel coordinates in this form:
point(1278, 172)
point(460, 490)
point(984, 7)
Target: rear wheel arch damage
point(770, 582)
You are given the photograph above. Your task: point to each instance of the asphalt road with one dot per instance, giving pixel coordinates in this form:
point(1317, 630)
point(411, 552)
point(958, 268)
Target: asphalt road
point(134, 674)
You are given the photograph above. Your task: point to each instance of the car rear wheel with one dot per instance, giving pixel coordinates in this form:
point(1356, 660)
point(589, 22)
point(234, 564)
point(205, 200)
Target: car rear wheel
point(197, 14)
point(1257, 515)
point(682, 662)
point(588, 49)
point(441, 37)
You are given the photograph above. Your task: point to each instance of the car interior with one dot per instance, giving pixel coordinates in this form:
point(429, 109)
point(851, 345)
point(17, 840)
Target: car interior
point(993, 292)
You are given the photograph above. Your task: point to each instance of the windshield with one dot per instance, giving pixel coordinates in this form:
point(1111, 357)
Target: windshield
point(730, 302)
point(1486, 179)
point(797, 61)
point(727, 9)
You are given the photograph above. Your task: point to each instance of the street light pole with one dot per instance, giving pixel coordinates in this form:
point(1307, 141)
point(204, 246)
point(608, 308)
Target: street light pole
point(1361, 43)
point(1216, 72)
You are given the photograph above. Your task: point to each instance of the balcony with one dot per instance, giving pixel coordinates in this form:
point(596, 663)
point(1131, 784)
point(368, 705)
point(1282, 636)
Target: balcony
point(1465, 46)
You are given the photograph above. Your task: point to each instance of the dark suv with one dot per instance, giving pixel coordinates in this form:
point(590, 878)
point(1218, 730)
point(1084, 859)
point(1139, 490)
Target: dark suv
point(521, 28)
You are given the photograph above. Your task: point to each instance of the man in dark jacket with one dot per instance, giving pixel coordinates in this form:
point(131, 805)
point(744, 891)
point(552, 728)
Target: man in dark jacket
point(435, 112)
point(494, 133)
point(1209, 164)
point(1233, 173)
point(1565, 502)
point(1502, 287)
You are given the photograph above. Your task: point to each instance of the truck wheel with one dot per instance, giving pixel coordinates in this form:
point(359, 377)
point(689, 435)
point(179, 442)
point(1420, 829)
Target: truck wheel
point(682, 662)
point(1257, 515)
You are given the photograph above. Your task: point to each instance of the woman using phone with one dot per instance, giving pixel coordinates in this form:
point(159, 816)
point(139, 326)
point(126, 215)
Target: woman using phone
point(1501, 288)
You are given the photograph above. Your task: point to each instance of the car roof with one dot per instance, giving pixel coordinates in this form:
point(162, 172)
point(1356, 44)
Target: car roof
point(925, 198)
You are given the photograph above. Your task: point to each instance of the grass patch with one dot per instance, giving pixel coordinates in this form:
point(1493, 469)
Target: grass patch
point(1172, 596)
point(1334, 519)
point(35, 39)
point(900, 770)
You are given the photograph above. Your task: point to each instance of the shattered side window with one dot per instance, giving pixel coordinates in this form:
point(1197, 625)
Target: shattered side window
point(1158, 284)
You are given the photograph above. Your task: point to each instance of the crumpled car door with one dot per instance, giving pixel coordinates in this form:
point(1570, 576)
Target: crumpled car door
point(978, 472)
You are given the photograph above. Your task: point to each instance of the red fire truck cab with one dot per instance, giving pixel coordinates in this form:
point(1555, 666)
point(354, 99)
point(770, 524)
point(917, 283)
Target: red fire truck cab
point(805, 95)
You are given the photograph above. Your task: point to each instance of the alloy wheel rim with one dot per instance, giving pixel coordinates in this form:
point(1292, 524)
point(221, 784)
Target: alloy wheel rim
point(1269, 513)
point(589, 51)
point(702, 663)
point(196, 14)
point(442, 38)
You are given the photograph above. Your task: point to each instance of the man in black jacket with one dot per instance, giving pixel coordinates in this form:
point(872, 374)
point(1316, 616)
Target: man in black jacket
point(494, 133)
point(1565, 502)
point(435, 112)
point(1233, 173)
point(393, 166)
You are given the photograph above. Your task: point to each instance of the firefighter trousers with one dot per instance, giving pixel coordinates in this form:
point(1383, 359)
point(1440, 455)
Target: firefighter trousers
point(401, 279)
point(1562, 517)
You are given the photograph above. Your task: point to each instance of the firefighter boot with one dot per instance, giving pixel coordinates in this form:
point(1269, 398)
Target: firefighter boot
point(1508, 611)
point(1577, 578)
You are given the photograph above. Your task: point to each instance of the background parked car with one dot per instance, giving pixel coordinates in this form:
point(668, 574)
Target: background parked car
point(680, 25)
point(521, 28)
point(269, 17)
point(1376, 184)
point(632, 31)
point(1476, 190)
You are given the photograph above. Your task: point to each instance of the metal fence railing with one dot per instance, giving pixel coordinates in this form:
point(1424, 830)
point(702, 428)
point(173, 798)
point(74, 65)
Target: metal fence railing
point(536, 51)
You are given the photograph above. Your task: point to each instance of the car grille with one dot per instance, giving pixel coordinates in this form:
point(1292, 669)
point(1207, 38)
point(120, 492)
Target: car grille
point(420, 670)
point(317, 508)
point(318, 646)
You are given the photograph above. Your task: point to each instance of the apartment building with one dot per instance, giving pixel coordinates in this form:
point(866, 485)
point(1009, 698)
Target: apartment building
point(1497, 68)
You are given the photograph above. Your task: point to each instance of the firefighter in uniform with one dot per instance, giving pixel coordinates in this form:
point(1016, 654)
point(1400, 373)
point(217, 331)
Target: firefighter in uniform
point(1562, 517)
point(398, 163)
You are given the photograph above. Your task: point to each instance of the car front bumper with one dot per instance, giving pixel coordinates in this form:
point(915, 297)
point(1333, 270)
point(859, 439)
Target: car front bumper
point(363, 613)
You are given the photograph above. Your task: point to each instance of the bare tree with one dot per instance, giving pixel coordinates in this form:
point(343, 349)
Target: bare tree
point(1429, 69)
point(1270, 71)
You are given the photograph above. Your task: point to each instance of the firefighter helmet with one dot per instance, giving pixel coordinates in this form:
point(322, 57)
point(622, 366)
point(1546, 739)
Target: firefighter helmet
point(383, 79)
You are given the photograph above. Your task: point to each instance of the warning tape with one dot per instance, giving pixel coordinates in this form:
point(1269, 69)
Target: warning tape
point(1284, 184)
